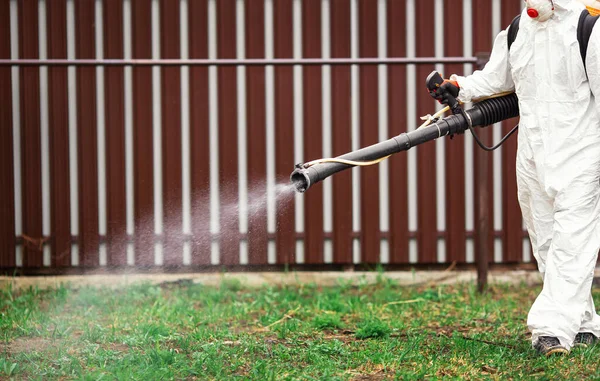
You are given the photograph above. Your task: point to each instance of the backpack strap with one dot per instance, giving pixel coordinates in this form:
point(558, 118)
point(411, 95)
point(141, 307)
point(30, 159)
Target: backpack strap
point(584, 31)
point(513, 29)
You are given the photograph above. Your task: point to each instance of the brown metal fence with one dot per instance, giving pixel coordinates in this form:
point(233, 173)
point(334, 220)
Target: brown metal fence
point(148, 132)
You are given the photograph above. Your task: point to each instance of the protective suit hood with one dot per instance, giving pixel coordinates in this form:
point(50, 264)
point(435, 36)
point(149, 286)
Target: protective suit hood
point(561, 3)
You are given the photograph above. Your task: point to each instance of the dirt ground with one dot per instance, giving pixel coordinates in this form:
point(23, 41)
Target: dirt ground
point(257, 279)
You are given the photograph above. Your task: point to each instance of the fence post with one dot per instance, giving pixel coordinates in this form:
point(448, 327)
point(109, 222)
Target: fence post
point(482, 247)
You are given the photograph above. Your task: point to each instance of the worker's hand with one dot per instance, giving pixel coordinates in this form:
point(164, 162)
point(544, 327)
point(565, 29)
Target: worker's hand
point(447, 87)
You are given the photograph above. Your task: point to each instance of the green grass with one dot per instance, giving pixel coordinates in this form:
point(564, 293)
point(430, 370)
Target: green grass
point(354, 331)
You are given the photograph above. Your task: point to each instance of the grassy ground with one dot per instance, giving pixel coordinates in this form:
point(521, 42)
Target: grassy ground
point(351, 331)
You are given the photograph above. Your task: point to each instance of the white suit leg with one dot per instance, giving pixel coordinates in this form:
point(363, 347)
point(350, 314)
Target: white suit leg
point(564, 303)
point(536, 207)
point(591, 320)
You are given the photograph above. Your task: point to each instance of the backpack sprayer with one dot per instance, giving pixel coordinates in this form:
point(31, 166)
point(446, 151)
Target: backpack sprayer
point(483, 113)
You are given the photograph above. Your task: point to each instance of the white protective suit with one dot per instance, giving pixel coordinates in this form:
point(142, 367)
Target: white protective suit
point(558, 159)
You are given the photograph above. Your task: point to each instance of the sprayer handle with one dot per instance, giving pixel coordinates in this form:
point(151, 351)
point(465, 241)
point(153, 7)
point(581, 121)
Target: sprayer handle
point(440, 89)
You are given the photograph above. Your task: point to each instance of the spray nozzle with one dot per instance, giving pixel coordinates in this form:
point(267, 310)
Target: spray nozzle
point(300, 179)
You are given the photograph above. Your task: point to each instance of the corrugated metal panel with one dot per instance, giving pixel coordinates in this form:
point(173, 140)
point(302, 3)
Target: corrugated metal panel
point(115, 135)
point(199, 134)
point(59, 136)
point(228, 135)
point(87, 135)
point(142, 134)
point(313, 137)
point(7, 200)
point(171, 134)
point(426, 154)
point(256, 134)
point(455, 148)
point(30, 135)
point(369, 123)
point(398, 165)
point(284, 128)
point(341, 134)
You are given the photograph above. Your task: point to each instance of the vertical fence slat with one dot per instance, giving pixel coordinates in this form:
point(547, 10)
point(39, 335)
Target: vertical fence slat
point(228, 147)
point(256, 133)
point(482, 42)
point(341, 131)
point(369, 122)
point(87, 135)
point(284, 127)
point(512, 222)
point(455, 147)
point(114, 80)
point(426, 153)
point(7, 207)
point(30, 135)
point(313, 140)
point(142, 134)
point(59, 136)
point(398, 167)
point(199, 133)
point(171, 133)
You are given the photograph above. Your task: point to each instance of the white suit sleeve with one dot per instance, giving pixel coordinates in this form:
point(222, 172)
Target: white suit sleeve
point(494, 78)
point(593, 64)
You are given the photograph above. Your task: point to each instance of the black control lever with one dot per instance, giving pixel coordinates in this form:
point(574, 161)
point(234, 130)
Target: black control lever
point(434, 82)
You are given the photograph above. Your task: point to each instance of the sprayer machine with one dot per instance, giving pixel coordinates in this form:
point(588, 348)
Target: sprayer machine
point(483, 113)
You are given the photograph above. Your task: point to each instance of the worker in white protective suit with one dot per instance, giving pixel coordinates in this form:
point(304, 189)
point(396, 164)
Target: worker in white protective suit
point(558, 161)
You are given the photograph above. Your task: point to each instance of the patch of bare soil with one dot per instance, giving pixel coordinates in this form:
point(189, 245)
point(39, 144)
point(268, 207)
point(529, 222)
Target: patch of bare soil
point(27, 344)
point(347, 336)
point(117, 347)
point(370, 371)
point(370, 377)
